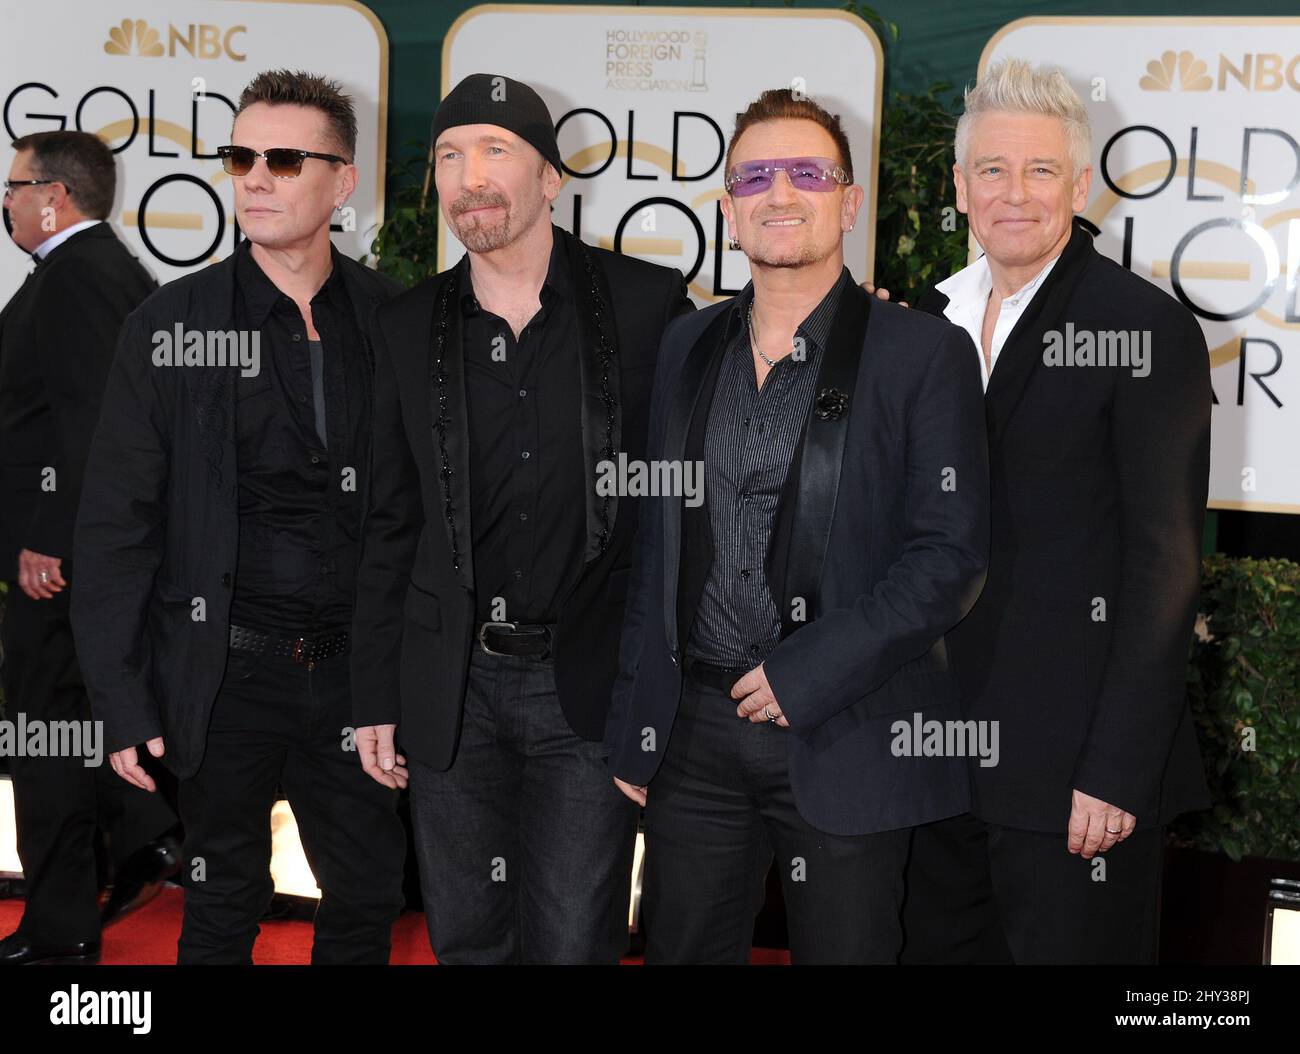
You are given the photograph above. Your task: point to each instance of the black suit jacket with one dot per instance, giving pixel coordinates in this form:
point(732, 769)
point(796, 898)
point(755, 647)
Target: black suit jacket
point(57, 336)
point(158, 526)
point(414, 617)
point(1099, 483)
point(885, 556)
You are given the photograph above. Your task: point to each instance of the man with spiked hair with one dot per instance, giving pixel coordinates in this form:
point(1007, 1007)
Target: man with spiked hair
point(779, 631)
point(219, 535)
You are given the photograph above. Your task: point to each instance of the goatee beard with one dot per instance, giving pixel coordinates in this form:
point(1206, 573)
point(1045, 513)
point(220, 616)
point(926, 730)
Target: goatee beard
point(478, 235)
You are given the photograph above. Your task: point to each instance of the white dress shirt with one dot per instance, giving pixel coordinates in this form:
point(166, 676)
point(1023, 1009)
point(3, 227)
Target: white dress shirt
point(968, 294)
point(55, 240)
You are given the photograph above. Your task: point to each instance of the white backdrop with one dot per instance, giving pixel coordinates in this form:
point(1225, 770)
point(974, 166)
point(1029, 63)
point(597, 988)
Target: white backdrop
point(1190, 107)
point(664, 77)
point(151, 77)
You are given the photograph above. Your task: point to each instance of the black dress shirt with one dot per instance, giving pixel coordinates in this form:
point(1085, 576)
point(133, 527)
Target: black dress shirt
point(749, 442)
point(526, 472)
point(302, 441)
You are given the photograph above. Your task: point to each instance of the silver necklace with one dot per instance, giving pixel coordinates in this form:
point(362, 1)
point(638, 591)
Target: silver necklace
point(753, 338)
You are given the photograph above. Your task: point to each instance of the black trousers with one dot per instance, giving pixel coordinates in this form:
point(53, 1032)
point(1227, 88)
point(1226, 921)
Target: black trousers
point(278, 724)
point(717, 812)
point(59, 803)
point(978, 892)
point(525, 844)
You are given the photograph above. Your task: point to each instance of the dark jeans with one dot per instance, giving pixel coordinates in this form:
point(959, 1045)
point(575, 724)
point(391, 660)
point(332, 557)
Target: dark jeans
point(718, 809)
point(525, 844)
point(276, 723)
point(979, 892)
point(59, 803)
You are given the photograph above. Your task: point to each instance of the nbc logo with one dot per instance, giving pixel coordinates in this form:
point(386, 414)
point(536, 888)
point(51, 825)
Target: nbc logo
point(1191, 73)
point(137, 37)
point(138, 32)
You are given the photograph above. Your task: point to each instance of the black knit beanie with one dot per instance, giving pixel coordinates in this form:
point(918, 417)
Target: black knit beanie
point(487, 98)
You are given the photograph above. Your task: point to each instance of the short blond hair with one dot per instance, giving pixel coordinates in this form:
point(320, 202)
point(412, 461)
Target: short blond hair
point(1016, 86)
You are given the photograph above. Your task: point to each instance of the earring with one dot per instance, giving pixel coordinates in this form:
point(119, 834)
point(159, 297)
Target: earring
point(732, 243)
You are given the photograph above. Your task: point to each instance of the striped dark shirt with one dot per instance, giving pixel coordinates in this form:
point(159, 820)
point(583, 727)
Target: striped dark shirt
point(749, 442)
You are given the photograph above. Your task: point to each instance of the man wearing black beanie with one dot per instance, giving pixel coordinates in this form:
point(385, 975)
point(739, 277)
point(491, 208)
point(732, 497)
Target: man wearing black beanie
point(492, 585)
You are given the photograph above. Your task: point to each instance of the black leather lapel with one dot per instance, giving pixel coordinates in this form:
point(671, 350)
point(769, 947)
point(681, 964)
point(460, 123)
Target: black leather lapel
point(447, 404)
point(1023, 350)
point(822, 458)
point(602, 433)
point(691, 396)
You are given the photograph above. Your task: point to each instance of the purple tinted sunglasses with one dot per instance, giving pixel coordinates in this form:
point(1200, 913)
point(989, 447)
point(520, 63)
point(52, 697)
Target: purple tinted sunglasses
point(804, 173)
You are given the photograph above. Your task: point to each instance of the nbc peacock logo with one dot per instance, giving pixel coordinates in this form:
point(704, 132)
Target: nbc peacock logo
point(1183, 68)
point(134, 37)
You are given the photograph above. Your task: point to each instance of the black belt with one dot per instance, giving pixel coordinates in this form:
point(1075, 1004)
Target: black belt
point(712, 675)
point(515, 639)
point(303, 650)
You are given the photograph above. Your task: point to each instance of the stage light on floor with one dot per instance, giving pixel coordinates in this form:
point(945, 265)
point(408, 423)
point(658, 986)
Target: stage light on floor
point(1282, 923)
point(638, 862)
point(10, 866)
point(293, 877)
point(289, 869)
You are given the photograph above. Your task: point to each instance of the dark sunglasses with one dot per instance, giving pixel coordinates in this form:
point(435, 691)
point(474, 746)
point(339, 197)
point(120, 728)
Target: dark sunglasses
point(11, 183)
point(804, 173)
point(281, 161)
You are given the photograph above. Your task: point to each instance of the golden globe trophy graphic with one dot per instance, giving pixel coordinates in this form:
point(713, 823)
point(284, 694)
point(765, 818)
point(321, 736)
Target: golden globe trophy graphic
point(698, 83)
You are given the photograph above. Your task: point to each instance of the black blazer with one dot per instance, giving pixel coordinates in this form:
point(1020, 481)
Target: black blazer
point(1099, 483)
point(414, 619)
point(887, 560)
point(158, 525)
point(57, 336)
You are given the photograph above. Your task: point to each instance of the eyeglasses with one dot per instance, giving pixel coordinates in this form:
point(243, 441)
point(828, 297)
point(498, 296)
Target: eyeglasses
point(281, 161)
point(805, 173)
point(11, 183)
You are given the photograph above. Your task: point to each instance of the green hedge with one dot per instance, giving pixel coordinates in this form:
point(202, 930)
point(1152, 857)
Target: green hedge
point(1243, 682)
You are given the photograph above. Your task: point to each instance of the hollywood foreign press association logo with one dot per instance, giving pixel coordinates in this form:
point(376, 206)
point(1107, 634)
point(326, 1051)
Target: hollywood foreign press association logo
point(1182, 68)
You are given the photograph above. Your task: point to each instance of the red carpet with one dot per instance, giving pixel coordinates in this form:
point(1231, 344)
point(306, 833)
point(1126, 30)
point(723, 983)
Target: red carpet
point(148, 938)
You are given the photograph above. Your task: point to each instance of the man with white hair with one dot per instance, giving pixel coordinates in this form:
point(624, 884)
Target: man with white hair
point(1097, 396)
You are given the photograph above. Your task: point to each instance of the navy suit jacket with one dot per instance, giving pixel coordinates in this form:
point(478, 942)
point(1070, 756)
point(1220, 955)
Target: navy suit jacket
point(889, 500)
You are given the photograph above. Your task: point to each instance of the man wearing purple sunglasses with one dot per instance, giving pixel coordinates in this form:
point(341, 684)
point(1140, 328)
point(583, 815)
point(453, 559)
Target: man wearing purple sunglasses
point(784, 637)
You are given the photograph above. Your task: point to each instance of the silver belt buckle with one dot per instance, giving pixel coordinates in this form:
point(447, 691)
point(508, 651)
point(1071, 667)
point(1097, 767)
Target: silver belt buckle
point(482, 631)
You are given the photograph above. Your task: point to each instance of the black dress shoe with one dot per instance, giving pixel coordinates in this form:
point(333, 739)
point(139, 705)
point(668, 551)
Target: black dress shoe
point(17, 950)
point(142, 877)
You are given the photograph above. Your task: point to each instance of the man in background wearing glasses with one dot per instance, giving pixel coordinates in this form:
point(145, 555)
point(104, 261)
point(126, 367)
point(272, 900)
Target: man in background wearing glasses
point(57, 335)
point(776, 634)
point(218, 541)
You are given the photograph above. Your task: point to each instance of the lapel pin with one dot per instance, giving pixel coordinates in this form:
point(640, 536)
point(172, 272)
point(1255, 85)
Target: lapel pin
point(831, 404)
